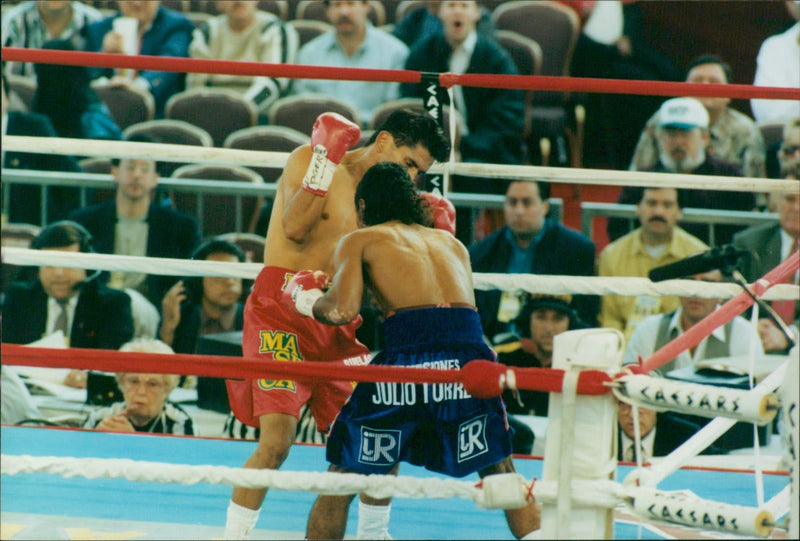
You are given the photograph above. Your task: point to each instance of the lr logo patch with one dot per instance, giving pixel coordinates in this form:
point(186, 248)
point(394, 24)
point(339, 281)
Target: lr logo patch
point(283, 347)
point(379, 447)
point(472, 438)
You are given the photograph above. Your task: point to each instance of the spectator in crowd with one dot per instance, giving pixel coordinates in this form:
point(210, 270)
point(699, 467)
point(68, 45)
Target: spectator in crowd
point(65, 96)
point(614, 44)
point(31, 24)
point(788, 148)
point(729, 340)
point(203, 305)
point(529, 243)
point(354, 43)
point(421, 23)
point(244, 33)
point(658, 241)
point(132, 224)
point(778, 64)
point(160, 32)
point(16, 403)
point(661, 433)
point(733, 136)
point(769, 244)
point(682, 136)
point(493, 117)
point(27, 201)
point(86, 312)
point(146, 407)
point(542, 317)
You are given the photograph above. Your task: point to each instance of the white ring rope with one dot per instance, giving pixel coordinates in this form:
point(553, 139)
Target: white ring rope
point(214, 155)
point(534, 283)
point(497, 491)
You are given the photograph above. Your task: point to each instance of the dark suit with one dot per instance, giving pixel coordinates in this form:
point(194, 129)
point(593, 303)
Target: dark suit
point(494, 116)
point(560, 251)
point(102, 318)
point(764, 244)
point(26, 206)
point(695, 199)
point(168, 35)
point(671, 432)
point(172, 234)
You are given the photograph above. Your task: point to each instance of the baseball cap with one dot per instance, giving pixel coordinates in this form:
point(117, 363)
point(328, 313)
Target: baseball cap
point(556, 302)
point(683, 113)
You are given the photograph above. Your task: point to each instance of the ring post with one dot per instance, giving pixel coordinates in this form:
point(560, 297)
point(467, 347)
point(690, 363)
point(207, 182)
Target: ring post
point(581, 441)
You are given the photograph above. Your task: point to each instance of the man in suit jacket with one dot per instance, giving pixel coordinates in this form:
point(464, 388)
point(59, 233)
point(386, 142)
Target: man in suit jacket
point(768, 245)
point(661, 433)
point(88, 313)
point(26, 207)
point(132, 224)
point(530, 244)
point(161, 32)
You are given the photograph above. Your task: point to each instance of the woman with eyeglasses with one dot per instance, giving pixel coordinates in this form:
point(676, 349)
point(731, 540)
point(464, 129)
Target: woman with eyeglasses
point(146, 407)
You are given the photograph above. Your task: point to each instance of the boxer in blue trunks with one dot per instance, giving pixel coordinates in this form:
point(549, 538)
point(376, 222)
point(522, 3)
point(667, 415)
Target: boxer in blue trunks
point(422, 279)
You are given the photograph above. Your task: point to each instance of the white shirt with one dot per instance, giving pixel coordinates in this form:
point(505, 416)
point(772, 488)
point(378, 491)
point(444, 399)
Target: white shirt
point(778, 64)
point(643, 340)
point(54, 310)
point(787, 242)
point(647, 446)
point(459, 62)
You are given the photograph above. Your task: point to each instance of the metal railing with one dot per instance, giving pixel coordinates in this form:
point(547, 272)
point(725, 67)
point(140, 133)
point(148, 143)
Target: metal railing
point(88, 181)
point(590, 211)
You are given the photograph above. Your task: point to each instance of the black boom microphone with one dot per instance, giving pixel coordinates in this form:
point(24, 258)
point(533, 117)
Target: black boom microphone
point(720, 257)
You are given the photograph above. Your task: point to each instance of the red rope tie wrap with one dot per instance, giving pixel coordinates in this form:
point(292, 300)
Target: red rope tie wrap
point(446, 80)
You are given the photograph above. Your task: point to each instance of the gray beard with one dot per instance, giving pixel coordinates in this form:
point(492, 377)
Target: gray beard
point(687, 165)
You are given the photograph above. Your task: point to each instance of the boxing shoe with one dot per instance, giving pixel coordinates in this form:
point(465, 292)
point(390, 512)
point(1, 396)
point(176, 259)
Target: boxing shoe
point(331, 137)
point(304, 289)
point(442, 210)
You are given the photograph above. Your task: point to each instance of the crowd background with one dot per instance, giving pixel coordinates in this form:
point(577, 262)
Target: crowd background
point(650, 41)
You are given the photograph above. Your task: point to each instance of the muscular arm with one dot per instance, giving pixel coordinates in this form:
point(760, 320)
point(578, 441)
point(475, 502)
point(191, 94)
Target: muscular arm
point(301, 208)
point(342, 302)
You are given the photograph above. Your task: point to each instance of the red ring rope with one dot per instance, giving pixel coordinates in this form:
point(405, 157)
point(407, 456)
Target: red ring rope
point(477, 376)
point(296, 71)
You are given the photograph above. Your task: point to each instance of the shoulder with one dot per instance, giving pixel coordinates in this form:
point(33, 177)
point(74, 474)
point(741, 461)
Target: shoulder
point(757, 233)
point(494, 52)
point(620, 245)
point(171, 216)
point(568, 235)
point(101, 26)
point(382, 39)
point(34, 124)
point(15, 15)
point(171, 20)
point(688, 243)
point(723, 167)
point(318, 45)
point(18, 290)
point(488, 242)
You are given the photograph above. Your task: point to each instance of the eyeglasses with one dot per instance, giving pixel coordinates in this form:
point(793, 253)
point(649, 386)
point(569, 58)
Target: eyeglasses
point(150, 385)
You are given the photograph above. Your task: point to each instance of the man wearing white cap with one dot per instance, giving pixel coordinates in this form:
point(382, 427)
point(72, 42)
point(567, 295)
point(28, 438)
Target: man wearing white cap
point(682, 136)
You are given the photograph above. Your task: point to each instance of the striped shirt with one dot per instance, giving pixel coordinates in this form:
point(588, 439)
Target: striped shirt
point(22, 27)
point(172, 419)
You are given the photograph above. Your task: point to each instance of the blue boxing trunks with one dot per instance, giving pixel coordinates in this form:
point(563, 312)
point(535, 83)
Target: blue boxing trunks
point(439, 426)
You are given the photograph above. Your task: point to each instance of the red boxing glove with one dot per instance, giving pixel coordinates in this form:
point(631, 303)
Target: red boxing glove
point(304, 289)
point(331, 136)
point(442, 210)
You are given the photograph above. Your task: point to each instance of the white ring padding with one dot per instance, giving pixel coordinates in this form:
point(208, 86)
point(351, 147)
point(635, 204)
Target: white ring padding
point(702, 439)
point(661, 394)
point(534, 283)
point(684, 507)
point(209, 155)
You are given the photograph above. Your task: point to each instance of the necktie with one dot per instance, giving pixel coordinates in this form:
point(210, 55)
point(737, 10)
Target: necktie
point(786, 309)
point(630, 453)
point(61, 320)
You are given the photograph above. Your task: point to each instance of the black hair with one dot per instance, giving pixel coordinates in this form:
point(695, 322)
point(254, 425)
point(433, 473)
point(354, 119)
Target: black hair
point(544, 187)
point(389, 194)
point(410, 128)
point(63, 93)
point(523, 320)
point(711, 59)
point(140, 137)
point(62, 234)
point(637, 193)
point(194, 284)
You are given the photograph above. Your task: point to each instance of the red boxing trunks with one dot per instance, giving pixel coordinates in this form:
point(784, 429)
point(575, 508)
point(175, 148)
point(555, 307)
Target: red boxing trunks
point(275, 329)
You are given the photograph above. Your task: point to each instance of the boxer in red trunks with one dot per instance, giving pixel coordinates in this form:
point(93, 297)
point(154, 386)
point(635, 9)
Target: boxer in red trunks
point(313, 210)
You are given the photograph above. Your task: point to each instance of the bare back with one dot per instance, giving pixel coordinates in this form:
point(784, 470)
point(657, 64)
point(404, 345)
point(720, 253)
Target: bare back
point(304, 228)
point(411, 265)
